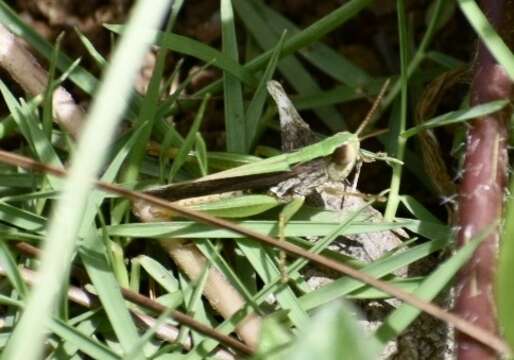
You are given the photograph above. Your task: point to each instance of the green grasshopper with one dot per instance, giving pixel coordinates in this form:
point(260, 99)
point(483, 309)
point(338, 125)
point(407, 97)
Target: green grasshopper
point(306, 166)
point(303, 165)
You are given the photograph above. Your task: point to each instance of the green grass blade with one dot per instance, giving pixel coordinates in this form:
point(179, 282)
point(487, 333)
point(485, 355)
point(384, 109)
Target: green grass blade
point(290, 67)
point(378, 269)
point(417, 209)
point(458, 116)
point(265, 266)
point(86, 324)
point(108, 289)
point(194, 48)
point(334, 331)
point(201, 154)
point(320, 55)
point(10, 267)
point(189, 141)
point(84, 342)
point(367, 293)
point(504, 288)
point(488, 35)
point(48, 96)
point(159, 273)
point(393, 196)
point(21, 218)
point(433, 284)
point(147, 113)
point(18, 180)
point(106, 112)
point(189, 229)
point(255, 108)
point(235, 122)
point(39, 143)
point(420, 54)
point(94, 252)
point(90, 48)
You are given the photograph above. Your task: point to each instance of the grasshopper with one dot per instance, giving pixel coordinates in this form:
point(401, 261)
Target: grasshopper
point(304, 167)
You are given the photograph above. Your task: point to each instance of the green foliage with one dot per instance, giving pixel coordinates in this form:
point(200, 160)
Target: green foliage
point(77, 225)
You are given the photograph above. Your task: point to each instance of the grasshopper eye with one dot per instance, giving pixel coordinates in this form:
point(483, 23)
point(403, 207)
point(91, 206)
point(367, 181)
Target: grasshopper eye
point(344, 155)
point(343, 160)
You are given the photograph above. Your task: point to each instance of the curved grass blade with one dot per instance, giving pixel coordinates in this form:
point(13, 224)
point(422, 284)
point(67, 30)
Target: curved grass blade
point(458, 116)
point(433, 284)
point(106, 111)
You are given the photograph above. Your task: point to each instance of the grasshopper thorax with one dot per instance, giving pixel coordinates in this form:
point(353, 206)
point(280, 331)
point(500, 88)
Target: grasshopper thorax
point(344, 159)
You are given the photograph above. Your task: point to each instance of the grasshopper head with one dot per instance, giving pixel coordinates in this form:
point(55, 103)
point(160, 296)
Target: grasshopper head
point(344, 159)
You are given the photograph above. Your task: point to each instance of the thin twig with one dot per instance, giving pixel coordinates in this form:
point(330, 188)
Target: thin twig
point(86, 299)
point(461, 324)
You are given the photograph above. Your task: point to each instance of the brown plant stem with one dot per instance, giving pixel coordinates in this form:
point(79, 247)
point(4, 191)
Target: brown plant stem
point(221, 294)
point(486, 337)
point(164, 331)
point(481, 195)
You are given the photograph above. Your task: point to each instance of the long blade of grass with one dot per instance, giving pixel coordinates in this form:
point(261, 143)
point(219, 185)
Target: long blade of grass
point(93, 252)
point(488, 35)
point(82, 341)
point(188, 229)
point(22, 218)
point(189, 141)
point(290, 67)
point(39, 143)
point(335, 330)
point(458, 116)
point(399, 319)
point(149, 107)
point(504, 288)
point(235, 122)
point(194, 48)
point(393, 198)
point(10, 267)
point(320, 55)
point(106, 111)
point(255, 108)
point(267, 269)
point(378, 269)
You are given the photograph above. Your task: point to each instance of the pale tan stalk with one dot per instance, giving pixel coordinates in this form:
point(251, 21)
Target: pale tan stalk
point(23, 67)
point(222, 296)
point(220, 293)
point(165, 332)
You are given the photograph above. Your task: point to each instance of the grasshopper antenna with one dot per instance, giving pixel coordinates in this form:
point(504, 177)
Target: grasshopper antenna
point(373, 134)
point(374, 108)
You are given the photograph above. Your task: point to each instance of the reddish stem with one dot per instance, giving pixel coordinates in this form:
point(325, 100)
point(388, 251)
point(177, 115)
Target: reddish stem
point(481, 194)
